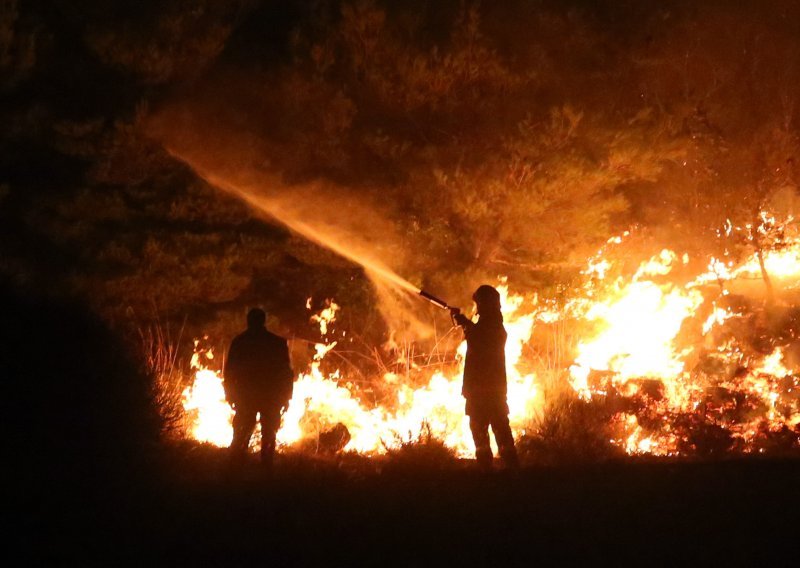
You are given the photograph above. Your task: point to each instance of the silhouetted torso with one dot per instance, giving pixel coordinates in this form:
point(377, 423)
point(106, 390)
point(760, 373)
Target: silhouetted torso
point(258, 370)
point(485, 365)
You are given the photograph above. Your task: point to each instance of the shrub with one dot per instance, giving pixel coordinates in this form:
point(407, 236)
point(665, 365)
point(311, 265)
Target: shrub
point(569, 430)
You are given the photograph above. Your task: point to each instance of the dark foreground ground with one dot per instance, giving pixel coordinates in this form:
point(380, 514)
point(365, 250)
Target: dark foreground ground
point(88, 483)
point(737, 512)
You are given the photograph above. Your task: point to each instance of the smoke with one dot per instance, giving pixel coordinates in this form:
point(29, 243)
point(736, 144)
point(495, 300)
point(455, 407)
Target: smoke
point(337, 218)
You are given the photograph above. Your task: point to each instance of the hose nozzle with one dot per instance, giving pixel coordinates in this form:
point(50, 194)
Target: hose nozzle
point(439, 303)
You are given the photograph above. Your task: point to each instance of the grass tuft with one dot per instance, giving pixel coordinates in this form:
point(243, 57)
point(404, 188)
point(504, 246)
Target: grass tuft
point(424, 452)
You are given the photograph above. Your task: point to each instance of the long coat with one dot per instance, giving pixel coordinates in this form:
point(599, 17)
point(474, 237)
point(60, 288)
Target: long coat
point(258, 371)
point(485, 365)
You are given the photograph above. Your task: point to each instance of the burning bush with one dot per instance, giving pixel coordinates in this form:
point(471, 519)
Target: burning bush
point(570, 430)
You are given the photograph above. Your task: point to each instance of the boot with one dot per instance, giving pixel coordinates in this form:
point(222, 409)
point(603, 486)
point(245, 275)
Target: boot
point(235, 462)
point(510, 459)
point(485, 458)
point(267, 458)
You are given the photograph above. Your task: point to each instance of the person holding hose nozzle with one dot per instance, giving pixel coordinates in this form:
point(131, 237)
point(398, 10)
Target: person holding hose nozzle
point(484, 386)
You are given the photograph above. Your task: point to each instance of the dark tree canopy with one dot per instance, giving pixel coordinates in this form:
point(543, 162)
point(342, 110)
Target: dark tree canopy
point(501, 138)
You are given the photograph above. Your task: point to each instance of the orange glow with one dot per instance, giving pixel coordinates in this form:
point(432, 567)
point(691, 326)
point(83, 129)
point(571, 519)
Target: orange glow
point(640, 337)
point(321, 401)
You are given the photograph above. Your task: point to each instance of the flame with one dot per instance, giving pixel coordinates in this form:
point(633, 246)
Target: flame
point(320, 400)
point(209, 415)
point(639, 323)
point(326, 317)
point(641, 338)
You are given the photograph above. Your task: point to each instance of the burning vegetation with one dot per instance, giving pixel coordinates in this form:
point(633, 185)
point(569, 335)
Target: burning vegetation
point(450, 142)
point(670, 360)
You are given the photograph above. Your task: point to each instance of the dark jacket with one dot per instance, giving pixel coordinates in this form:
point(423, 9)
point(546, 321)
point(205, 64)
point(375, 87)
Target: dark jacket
point(485, 365)
point(258, 370)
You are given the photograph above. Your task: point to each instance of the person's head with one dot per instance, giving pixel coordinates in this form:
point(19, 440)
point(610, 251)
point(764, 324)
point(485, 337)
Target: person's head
point(256, 318)
point(487, 300)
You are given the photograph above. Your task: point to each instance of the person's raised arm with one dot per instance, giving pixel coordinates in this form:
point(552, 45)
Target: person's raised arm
point(461, 320)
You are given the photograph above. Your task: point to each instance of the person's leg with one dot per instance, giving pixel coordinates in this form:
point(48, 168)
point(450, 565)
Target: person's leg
point(270, 424)
point(505, 440)
point(244, 421)
point(479, 427)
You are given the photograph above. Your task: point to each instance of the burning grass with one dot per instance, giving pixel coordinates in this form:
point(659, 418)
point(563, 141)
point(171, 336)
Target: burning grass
point(664, 359)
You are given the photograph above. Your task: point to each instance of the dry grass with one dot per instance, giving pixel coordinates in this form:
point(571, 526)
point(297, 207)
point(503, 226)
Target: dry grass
point(421, 452)
point(160, 354)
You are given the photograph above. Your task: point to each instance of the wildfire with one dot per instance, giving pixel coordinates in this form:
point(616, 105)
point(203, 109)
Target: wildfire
point(636, 354)
point(320, 401)
point(667, 354)
point(204, 401)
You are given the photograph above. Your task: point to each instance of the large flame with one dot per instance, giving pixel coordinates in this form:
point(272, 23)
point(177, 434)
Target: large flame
point(320, 401)
point(641, 321)
point(641, 340)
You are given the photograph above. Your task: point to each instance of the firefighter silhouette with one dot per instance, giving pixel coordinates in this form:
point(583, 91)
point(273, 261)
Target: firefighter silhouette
point(484, 386)
point(258, 381)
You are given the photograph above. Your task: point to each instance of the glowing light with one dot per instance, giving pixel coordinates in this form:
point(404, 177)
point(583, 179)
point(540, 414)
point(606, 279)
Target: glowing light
point(209, 414)
point(640, 337)
point(320, 401)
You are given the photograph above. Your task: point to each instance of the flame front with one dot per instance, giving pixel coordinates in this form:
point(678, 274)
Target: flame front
point(667, 347)
point(320, 401)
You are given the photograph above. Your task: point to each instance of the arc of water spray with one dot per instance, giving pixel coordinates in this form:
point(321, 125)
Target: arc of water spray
point(373, 267)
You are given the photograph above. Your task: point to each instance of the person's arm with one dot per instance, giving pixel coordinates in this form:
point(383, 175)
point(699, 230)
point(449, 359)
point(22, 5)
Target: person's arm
point(461, 320)
point(230, 372)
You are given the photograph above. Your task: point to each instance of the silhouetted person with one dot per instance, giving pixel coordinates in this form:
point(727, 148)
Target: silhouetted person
point(484, 386)
point(258, 379)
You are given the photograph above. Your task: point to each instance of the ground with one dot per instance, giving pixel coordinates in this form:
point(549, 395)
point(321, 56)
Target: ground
point(90, 482)
point(330, 512)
